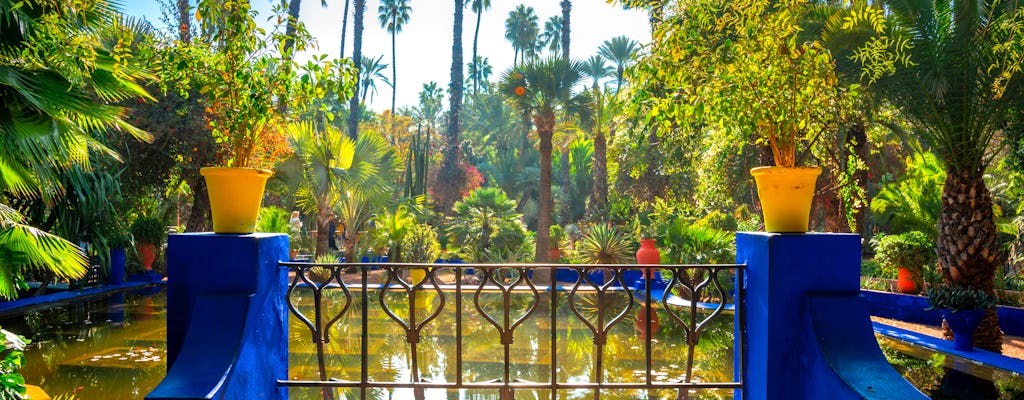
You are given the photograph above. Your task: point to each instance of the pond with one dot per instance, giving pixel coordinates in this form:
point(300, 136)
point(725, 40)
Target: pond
point(114, 349)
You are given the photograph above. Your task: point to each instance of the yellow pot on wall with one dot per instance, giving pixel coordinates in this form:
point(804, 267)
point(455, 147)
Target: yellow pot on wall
point(786, 194)
point(235, 197)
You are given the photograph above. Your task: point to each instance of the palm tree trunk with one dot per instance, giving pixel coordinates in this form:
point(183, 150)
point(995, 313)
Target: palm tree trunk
point(545, 126)
point(184, 22)
point(394, 80)
point(357, 53)
point(476, 35)
point(566, 11)
point(322, 231)
point(450, 173)
point(344, 28)
point(968, 251)
point(599, 203)
point(566, 209)
point(293, 19)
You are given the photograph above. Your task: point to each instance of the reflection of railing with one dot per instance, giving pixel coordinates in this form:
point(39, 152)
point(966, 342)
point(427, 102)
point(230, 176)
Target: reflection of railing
point(695, 296)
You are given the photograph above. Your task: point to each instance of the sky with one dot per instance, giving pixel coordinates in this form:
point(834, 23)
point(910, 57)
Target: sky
point(424, 46)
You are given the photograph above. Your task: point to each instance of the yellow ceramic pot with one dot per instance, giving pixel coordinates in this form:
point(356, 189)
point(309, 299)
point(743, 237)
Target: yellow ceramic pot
point(786, 194)
point(235, 197)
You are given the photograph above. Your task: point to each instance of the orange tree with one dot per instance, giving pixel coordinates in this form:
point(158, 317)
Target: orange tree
point(544, 89)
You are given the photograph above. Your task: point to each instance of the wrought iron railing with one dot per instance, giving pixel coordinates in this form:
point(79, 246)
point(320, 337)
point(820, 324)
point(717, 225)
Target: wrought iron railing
point(505, 297)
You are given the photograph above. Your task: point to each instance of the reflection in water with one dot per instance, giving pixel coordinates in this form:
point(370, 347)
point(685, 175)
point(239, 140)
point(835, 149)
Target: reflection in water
point(110, 349)
point(947, 377)
point(483, 352)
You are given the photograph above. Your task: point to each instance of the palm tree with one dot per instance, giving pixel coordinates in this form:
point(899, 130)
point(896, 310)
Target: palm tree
point(450, 173)
point(293, 22)
point(607, 108)
point(48, 119)
point(344, 28)
point(541, 89)
point(478, 7)
point(597, 70)
point(521, 29)
point(357, 54)
point(552, 35)
point(566, 13)
point(371, 70)
point(958, 87)
point(619, 51)
point(479, 71)
point(393, 15)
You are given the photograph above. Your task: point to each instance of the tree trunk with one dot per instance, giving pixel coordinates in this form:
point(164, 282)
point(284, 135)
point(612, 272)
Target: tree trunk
point(453, 176)
point(322, 232)
point(565, 211)
point(199, 215)
point(599, 201)
point(184, 22)
point(293, 19)
point(566, 12)
point(967, 248)
point(858, 135)
point(357, 53)
point(476, 67)
point(344, 28)
point(545, 128)
point(394, 78)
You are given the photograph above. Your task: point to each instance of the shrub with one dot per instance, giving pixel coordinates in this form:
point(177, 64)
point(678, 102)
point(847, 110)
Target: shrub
point(956, 298)
point(148, 230)
point(604, 245)
point(272, 220)
point(912, 250)
point(420, 244)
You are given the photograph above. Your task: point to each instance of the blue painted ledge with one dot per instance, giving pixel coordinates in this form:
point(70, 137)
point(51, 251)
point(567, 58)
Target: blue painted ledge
point(18, 306)
point(944, 346)
point(911, 308)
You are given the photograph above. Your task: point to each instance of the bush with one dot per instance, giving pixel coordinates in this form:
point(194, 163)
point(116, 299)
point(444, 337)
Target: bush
point(148, 230)
point(272, 220)
point(956, 298)
point(420, 244)
point(912, 250)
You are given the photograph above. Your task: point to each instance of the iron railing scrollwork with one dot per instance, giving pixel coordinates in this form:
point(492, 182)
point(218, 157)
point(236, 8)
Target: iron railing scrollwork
point(696, 297)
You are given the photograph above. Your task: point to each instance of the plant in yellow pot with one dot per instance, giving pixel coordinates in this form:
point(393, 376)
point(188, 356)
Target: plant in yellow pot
point(741, 72)
point(245, 86)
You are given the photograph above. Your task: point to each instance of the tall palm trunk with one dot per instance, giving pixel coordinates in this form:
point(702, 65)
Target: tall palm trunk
point(453, 176)
point(476, 35)
point(968, 250)
point(394, 78)
point(322, 231)
point(344, 28)
point(357, 53)
point(184, 22)
point(566, 11)
point(545, 122)
point(567, 200)
point(293, 19)
point(599, 202)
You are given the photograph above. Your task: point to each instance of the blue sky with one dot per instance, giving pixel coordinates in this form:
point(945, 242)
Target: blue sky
point(424, 45)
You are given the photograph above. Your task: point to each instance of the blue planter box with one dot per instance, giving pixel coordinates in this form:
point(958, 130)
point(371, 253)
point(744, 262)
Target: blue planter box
point(910, 308)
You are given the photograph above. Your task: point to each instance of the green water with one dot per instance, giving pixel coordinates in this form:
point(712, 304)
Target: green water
point(483, 353)
point(947, 377)
point(114, 348)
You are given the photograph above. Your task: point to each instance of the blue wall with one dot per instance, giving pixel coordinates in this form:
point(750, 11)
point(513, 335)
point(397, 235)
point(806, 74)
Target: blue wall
point(227, 324)
point(911, 308)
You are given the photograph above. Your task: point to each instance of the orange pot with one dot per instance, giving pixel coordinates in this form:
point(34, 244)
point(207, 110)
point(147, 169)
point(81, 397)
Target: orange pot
point(905, 281)
point(148, 253)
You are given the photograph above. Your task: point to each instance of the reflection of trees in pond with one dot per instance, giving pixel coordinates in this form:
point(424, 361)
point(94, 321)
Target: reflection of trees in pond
point(482, 352)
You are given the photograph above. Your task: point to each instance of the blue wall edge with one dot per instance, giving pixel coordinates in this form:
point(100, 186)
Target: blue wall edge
point(911, 308)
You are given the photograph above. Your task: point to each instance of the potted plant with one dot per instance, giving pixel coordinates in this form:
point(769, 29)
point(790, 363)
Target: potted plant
point(557, 236)
point(962, 308)
point(906, 254)
point(149, 233)
point(752, 77)
point(118, 244)
point(245, 86)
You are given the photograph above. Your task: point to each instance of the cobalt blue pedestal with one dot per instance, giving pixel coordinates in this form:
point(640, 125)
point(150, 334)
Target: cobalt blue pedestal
point(115, 276)
point(807, 331)
point(227, 322)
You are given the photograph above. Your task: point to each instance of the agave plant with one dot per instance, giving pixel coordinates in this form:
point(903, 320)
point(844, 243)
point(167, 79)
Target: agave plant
point(604, 245)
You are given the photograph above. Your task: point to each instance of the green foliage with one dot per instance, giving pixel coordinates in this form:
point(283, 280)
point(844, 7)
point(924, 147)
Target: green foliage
point(912, 250)
point(740, 68)
point(486, 221)
point(149, 230)
point(602, 244)
point(395, 226)
point(557, 235)
point(272, 219)
point(913, 202)
point(719, 220)
point(956, 298)
point(12, 383)
point(420, 244)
